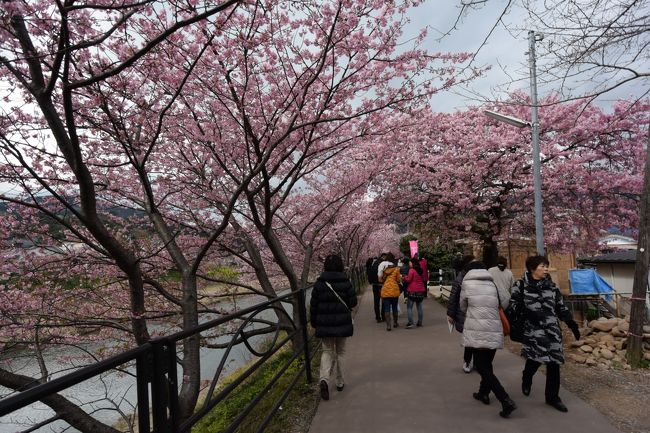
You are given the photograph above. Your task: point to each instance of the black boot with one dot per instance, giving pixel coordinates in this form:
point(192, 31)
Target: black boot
point(557, 404)
point(483, 398)
point(526, 383)
point(507, 406)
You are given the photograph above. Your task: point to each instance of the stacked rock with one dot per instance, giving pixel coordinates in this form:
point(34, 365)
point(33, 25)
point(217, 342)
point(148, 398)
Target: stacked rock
point(603, 343)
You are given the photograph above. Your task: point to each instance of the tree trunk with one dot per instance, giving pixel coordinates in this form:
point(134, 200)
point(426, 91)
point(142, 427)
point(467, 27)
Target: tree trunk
point(306, 265)
point(283, 261)
point(490, 252)
point(189, 390)
point(68, 411)
point(638, 309)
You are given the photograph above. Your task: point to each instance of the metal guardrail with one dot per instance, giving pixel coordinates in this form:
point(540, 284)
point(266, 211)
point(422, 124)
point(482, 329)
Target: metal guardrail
point(157, 378)
point(598, 302)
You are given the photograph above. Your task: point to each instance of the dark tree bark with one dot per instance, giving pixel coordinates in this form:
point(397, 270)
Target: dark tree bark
point(490, 252)
point(638, 310)
point(64, 408)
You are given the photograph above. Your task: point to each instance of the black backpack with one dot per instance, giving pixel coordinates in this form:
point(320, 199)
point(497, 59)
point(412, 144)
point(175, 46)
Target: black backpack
point(372, 271)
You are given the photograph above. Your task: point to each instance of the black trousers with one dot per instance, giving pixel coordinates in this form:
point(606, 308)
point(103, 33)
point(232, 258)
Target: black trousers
point(467, 354)
point(483, 363)
point(376, 297)
point(552, 390)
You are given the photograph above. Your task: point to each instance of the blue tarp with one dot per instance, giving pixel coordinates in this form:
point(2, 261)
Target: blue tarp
point(588, 282)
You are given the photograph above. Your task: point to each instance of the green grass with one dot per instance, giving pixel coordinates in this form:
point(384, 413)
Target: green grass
point(227, 273)
point(299, 406)
point(617, 365)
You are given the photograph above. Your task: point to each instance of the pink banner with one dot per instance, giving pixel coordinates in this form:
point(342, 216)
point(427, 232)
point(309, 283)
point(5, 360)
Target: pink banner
point(413, 245)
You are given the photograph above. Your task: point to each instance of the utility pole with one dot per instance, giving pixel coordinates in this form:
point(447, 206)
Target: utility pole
point(634, 353)
point(537, 176)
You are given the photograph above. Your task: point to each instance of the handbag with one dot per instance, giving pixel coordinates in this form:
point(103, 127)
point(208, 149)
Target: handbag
point(416, 296)
point(342, 301)
point(504, 321)
point(505, 324)
point(517, 320)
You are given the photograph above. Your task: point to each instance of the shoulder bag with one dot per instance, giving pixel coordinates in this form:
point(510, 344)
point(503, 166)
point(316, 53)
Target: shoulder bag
point(502, 315)
point(342, 301)
point(517, 318)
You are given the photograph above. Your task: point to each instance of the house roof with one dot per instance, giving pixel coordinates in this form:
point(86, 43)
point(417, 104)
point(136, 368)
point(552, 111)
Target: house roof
point(628, 256)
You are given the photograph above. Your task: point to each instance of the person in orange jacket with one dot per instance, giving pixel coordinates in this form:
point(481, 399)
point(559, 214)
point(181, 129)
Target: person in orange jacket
point(390, 290)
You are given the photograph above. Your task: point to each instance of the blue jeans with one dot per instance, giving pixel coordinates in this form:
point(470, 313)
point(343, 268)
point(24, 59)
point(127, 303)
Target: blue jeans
point(389, 304)
point(409, 310)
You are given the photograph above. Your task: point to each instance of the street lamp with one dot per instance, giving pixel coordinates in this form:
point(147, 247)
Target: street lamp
point(507, 119)
point(537, 177)
point(534, 125)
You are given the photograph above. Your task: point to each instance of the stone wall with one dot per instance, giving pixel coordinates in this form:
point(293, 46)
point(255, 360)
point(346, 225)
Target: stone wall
point(604, 342)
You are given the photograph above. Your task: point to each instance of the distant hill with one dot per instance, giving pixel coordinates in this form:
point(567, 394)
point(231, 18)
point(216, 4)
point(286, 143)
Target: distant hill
point(55, 228)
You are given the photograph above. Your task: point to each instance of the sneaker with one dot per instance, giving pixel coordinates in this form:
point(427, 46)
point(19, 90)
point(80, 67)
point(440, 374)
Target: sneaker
point(467, 367)
point(409, 325)
point(324, 390)
point(419, 325)
point(339, 388)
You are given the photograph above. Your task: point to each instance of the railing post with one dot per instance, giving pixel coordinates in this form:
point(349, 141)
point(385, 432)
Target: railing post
point(302, 312)
point(164, 393)
point(172, 385)
point(143, 370)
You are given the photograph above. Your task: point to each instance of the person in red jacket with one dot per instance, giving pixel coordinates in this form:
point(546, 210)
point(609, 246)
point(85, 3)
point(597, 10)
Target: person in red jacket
point(416, 290)
point(425, 269)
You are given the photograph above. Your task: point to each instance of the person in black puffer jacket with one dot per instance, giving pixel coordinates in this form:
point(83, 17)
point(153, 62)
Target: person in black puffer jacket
point(454, 314)
point(332, 300)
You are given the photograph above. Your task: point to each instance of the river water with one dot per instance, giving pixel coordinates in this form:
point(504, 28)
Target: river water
point(109, 396)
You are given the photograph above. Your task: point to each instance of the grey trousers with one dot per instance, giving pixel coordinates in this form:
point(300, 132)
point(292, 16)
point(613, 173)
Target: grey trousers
point(332, 359)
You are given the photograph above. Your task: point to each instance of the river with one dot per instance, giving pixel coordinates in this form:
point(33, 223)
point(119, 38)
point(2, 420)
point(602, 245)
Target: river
point(109, 396)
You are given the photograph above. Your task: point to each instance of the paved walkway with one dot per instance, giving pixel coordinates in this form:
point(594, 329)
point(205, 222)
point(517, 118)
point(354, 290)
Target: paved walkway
point(410, 381)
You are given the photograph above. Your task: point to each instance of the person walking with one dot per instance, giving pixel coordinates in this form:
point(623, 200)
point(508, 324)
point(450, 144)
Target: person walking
point(415, 292)
point(502, 275)
point(404, 265)
point(372, 268)
point(539, 300)
point(480, 299)
point(390, 290)
point(455, 315)
point(424, 265)
point(332, 300)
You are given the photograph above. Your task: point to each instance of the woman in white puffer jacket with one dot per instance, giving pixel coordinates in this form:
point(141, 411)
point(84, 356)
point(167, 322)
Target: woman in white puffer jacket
point(480, 299)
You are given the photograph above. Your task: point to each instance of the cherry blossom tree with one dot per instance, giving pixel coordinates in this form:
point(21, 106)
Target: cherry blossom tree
point(472, 175)
point(307, 83)
point(200, 118)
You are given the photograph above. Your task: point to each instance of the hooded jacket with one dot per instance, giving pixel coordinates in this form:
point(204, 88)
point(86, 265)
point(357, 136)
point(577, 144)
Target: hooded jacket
point(480, 302)
point(328, 315)
point(390, 279)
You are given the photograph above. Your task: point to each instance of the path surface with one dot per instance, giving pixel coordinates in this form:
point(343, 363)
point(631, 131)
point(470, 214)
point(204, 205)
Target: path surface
point(410, 381)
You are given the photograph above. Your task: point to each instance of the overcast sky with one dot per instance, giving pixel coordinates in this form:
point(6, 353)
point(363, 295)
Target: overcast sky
point(506, 52)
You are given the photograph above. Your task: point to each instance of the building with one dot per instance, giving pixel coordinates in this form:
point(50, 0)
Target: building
point(616, 268)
